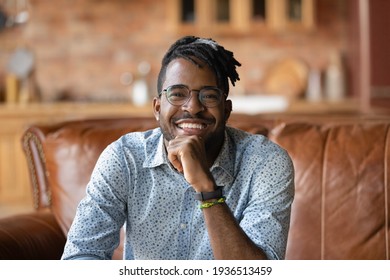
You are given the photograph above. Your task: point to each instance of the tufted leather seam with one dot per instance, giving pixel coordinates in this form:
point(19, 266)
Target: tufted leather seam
point(386, 191)
point(323, 192)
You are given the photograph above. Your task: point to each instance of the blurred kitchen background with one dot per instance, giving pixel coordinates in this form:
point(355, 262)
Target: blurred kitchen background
point(67, 59)
point(96, 50)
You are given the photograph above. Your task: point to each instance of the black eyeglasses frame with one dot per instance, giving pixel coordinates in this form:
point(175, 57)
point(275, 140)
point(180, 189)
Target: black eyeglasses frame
point(190, 94)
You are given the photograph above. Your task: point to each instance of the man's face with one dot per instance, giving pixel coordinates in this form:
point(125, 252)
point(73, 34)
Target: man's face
point(191, 118)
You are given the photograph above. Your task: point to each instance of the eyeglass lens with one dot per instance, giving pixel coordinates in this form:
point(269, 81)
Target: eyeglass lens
point(208, 96)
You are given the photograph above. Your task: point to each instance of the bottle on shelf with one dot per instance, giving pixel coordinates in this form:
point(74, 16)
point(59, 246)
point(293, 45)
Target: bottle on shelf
point(335, 79)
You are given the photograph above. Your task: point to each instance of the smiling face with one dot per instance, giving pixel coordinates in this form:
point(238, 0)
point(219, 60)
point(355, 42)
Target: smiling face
point(192, 118)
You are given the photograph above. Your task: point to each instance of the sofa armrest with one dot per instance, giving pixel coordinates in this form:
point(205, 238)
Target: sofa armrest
point(33, 236)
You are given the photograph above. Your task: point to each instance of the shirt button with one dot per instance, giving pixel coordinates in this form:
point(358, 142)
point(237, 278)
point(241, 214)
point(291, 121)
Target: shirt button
point(183, 226)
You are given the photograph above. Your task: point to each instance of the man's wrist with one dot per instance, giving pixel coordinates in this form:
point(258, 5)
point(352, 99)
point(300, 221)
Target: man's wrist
point(216, 194)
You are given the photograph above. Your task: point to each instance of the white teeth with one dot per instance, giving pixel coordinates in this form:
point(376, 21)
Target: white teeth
point(191, 125)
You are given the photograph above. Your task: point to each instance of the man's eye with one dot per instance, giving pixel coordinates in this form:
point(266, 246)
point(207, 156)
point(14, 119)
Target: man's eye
point(210, 96)
point(177, 94)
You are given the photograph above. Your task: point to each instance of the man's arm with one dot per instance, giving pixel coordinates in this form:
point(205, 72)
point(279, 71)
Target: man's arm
point(227, 239)
point(95, 230)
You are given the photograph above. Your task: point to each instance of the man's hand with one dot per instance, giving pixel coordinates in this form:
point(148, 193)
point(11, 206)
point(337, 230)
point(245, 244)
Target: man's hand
point(188, 155)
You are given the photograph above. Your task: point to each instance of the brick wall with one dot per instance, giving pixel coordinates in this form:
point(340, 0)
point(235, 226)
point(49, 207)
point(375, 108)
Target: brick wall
point(83, 47)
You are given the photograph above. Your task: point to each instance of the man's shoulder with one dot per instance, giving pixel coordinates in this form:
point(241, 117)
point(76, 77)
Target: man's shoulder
point(136, 139)
point(142, 135)
point(240, 136)
point(252, 143)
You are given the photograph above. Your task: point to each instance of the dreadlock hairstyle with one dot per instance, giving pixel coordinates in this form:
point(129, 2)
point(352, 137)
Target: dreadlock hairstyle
point(192, 48)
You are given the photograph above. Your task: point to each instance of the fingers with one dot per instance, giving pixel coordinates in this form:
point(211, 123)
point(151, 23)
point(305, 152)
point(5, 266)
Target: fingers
point(175, 161)
point(185, 151)
point(187, 155)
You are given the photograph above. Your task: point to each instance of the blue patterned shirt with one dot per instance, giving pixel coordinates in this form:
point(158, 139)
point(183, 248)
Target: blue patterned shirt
point(133, 184)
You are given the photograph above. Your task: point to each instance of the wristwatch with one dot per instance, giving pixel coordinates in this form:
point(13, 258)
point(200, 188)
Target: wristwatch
point(209, 195)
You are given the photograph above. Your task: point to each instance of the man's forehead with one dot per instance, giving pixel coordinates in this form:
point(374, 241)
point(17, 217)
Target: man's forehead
point(183, 71)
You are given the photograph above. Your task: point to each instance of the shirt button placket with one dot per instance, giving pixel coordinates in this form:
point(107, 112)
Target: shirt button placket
point(185, 221)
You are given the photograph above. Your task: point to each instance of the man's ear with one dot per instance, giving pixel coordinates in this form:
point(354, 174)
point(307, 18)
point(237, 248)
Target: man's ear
point(156, 107)
point(228, 109)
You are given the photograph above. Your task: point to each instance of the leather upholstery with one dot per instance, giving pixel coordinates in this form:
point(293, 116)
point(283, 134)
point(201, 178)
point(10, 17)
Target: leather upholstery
point(341, 208)
point(342, 202)
point(31, 236)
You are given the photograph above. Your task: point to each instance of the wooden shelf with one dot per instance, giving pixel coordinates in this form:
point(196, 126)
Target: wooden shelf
point(346, 106)
point(72, 110)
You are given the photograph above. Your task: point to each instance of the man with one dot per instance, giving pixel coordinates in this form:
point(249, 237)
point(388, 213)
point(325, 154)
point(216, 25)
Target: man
point(192, 188)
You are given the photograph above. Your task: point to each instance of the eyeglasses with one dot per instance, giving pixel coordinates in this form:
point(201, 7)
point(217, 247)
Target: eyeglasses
point(178, 95)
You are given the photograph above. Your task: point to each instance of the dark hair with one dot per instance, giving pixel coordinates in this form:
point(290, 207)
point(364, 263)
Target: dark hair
point(192, 48)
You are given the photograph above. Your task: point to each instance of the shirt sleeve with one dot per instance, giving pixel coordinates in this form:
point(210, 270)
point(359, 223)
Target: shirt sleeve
point(95, 231)
point(266, 218)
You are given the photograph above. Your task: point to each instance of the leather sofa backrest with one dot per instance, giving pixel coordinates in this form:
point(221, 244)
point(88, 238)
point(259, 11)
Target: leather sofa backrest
point(342, 202)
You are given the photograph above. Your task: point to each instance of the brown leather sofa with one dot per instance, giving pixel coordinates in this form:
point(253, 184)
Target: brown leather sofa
point(342, 203)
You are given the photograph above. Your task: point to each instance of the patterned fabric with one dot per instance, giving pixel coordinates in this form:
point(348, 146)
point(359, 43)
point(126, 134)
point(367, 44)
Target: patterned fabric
point(133, 184)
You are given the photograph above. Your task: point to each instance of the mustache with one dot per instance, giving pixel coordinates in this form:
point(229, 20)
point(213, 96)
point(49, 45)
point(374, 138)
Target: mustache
point(187, 116)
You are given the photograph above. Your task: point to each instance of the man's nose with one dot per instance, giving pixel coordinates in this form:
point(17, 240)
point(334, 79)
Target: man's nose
point(193, 104)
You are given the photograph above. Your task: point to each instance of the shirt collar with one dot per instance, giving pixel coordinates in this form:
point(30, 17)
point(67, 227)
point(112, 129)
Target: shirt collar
point(155, 150)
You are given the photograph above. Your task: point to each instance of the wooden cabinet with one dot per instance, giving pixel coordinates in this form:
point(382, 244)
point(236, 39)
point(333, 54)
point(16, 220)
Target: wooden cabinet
point(379, 22)
point(240, 16)
point(369, 53)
